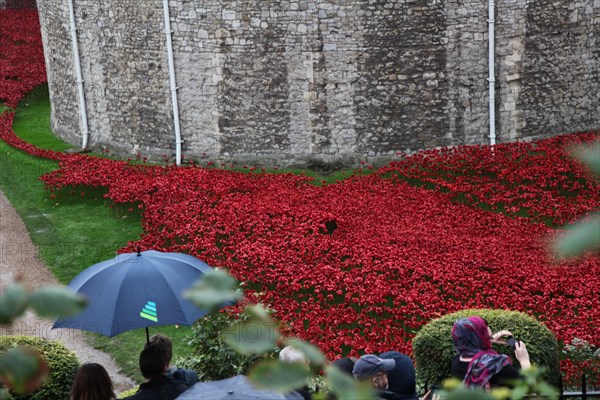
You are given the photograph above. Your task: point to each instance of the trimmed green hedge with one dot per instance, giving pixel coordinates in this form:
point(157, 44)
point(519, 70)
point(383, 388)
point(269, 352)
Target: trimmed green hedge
point(61, 362)
point(433, 350)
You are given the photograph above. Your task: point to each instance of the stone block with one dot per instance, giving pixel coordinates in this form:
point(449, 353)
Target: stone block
point(228, 15)
point(222, 33)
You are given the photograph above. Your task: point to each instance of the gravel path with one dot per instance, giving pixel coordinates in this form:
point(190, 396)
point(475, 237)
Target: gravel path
point(18, 257)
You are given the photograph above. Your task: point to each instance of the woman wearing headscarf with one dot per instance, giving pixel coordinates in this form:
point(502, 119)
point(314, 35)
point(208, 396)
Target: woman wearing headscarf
point(477, 364)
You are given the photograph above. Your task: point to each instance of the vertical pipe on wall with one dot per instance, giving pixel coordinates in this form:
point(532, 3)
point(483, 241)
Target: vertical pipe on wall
point(491, 78)
point(75, 49)
point(172, 80)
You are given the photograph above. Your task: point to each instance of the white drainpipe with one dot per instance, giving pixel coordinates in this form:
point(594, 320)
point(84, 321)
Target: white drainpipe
point(75, 48)
point(173, 81)
point(491, 78)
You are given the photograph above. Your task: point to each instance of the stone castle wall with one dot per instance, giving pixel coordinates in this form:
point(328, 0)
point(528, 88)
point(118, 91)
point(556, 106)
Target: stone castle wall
point(311, 82)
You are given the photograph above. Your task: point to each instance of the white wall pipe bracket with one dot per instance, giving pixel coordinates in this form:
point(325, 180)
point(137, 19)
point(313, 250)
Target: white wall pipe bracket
point(173, 82)
point(77, 65)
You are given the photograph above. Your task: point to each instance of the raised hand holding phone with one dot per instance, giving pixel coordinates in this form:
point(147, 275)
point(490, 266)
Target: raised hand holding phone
point(498, 336)
point(522, 355)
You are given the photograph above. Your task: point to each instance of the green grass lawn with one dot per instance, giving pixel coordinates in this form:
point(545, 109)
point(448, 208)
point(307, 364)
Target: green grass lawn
point(32, 121)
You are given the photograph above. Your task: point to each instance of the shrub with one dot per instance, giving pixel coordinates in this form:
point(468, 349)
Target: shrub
point(433, 350)
point(213, 359)
point(586, 358)
point(61, 362)
point(128, 393)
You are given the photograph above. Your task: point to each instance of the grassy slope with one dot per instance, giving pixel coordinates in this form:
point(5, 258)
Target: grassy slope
point(71, 232)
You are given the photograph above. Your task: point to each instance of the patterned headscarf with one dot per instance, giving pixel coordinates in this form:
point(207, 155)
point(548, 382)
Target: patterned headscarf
point(471, 338)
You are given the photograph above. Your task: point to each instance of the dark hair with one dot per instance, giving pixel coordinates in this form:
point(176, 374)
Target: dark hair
point(164, 347)
point(152, 363)
point(92, 383)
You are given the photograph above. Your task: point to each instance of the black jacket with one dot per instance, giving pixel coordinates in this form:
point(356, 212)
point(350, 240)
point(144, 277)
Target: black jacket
point(161, 388)
point(186, 375)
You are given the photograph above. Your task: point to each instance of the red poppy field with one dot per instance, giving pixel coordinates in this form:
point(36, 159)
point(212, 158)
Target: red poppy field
point(362, 264)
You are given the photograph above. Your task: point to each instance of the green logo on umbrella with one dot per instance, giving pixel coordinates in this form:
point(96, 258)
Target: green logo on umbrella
point(149, 311)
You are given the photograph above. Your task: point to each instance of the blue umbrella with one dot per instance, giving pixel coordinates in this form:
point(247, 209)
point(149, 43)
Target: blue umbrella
point(136, 290)
point(236, 388)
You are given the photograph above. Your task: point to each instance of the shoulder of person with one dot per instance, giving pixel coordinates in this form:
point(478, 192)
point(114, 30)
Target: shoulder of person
point(177, 381)
point(385, 394)
point(186, 375)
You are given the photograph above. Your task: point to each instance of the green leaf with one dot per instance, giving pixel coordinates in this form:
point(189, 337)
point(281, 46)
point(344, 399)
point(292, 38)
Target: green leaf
point(279, 376)
point(519, 392)
point(346, 387)
point(56, 301)
point(452, 384)
point(4, 395)
point(582, 236)
point(467, 394)
point(210, 299)
point(547, 390)
point(215, 289)
point(501, 393)
point(219, 279)
point(12, 303)
point(251, 337)
point(590, 156)
point(259, 312)
point(18, 368)
point(312, 352)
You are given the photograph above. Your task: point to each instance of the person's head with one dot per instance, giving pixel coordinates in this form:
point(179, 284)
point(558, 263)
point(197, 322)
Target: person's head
point(373, 368)
point(164, 345)
point(345, 364)
point(152, 362)
point(471, 335)
point(92, 383)
point(290, 354)
point(402, 379)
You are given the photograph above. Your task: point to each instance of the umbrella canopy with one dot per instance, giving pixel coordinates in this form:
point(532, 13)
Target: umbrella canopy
point(136, 290)
point(236, 388)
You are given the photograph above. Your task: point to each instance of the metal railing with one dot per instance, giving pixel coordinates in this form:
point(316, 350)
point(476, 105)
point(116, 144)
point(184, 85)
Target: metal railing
point(584, 394)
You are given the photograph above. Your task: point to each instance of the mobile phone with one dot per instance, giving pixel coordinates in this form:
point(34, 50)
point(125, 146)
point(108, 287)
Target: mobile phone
point(511, 341)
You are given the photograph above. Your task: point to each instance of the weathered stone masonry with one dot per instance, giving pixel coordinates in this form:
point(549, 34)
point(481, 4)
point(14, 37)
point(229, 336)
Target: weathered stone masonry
point(309, 82)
